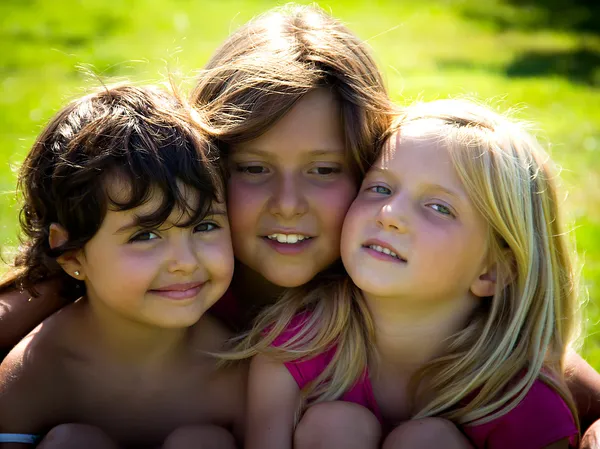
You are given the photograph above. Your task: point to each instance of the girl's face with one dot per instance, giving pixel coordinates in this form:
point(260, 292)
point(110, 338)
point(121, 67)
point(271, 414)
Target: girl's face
point(166, 277)
point(412, 230)
point(289, 191)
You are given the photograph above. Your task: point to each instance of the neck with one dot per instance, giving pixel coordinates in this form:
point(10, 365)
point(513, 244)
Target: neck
point(411, 333)
point(253, 289)
point(131, 341)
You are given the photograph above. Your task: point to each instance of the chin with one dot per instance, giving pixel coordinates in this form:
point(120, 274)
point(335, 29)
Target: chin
point(371, 285)
point(289, 280)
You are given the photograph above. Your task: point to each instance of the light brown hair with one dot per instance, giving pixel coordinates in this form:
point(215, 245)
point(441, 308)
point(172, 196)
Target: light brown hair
point(266, 66)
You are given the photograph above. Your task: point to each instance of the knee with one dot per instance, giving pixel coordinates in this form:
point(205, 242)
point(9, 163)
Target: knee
point(426, 433)
point(74, 435)
point(207, 436)
point(343, 424)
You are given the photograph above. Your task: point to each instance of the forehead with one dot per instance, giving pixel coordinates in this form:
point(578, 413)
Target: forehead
point(419, 153)
point(415, 146)
point(313, 124)
point(119, 190)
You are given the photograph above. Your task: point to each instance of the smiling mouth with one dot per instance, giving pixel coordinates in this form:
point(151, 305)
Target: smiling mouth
point(288, 238)
point(179, 291)
point(386, 251)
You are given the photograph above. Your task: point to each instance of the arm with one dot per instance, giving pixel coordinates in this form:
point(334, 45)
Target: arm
point(273, 397)
point(584, 383)
point(27, 400)
point(19, 315)
point(591, 439)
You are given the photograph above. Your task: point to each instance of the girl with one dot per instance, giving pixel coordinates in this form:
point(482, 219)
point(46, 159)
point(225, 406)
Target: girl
point(298, 108)
point(465, 300)
point(123, 204)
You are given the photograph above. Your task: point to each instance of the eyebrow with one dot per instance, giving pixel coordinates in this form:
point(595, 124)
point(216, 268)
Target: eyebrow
point(426, 186)
point(264, 153)
point(139, 218)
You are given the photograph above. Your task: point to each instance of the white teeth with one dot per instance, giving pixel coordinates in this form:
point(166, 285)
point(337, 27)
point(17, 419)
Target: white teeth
point(288, 238)
point(383, 250)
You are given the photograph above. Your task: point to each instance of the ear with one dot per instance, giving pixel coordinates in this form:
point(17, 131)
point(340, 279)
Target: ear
point(493, 274)
point(485, 284)
point(69, 261)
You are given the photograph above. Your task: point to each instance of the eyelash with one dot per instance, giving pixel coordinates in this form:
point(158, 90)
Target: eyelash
point(449, 212)
point(332, 170)
point(136, 237)
point(208, 223)
point(374, 189)
point(246, 169)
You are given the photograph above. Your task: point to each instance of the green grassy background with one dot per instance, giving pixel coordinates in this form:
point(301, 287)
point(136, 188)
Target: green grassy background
point(540, 56)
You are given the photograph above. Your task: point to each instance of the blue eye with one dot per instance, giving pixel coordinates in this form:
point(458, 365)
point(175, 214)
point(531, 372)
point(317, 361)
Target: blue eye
point(144, 236)
point(206, 227)
point(444, 210)
point(381, 189)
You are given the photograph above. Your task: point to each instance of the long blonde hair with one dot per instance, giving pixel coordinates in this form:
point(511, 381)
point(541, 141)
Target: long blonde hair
point(265, 67)
point(515, 337)
point(523, 332)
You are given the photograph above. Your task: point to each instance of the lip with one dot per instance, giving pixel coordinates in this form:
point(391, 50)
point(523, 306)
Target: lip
point(288, 249)
point(383, 256)
point(179, 291)
point(287, 232)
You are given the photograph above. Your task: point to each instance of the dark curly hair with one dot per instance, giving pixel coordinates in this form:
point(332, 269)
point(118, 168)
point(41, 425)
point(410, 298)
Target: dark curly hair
point(141, 134)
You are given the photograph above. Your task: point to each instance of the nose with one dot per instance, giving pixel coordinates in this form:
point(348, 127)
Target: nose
point(393, 216)
point(288, 200)
point(183, 257)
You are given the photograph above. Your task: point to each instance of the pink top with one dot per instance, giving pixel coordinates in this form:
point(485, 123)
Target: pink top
point(540, 419)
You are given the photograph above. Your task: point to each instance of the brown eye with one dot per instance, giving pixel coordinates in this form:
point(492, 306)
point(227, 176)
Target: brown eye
point(206, 227)
point(252, 169)
point(144, 237)
point(324, 171)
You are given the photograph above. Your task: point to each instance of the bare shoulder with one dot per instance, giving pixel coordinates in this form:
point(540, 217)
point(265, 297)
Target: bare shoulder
point(28, 385)
point(32, 376)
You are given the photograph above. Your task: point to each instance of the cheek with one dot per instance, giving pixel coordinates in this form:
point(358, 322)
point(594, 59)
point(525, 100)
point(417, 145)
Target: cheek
point(218, 258)
point(244, 203)
point(333, 203)
point(120, 269)
point(351, 230)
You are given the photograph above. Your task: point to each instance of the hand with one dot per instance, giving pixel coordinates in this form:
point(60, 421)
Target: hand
point(591, 438)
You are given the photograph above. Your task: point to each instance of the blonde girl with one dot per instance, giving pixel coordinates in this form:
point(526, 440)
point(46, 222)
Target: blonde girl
point(460, 302)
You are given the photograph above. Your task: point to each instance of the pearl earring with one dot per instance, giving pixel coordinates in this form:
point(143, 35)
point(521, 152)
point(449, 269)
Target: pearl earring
point(76, 273)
